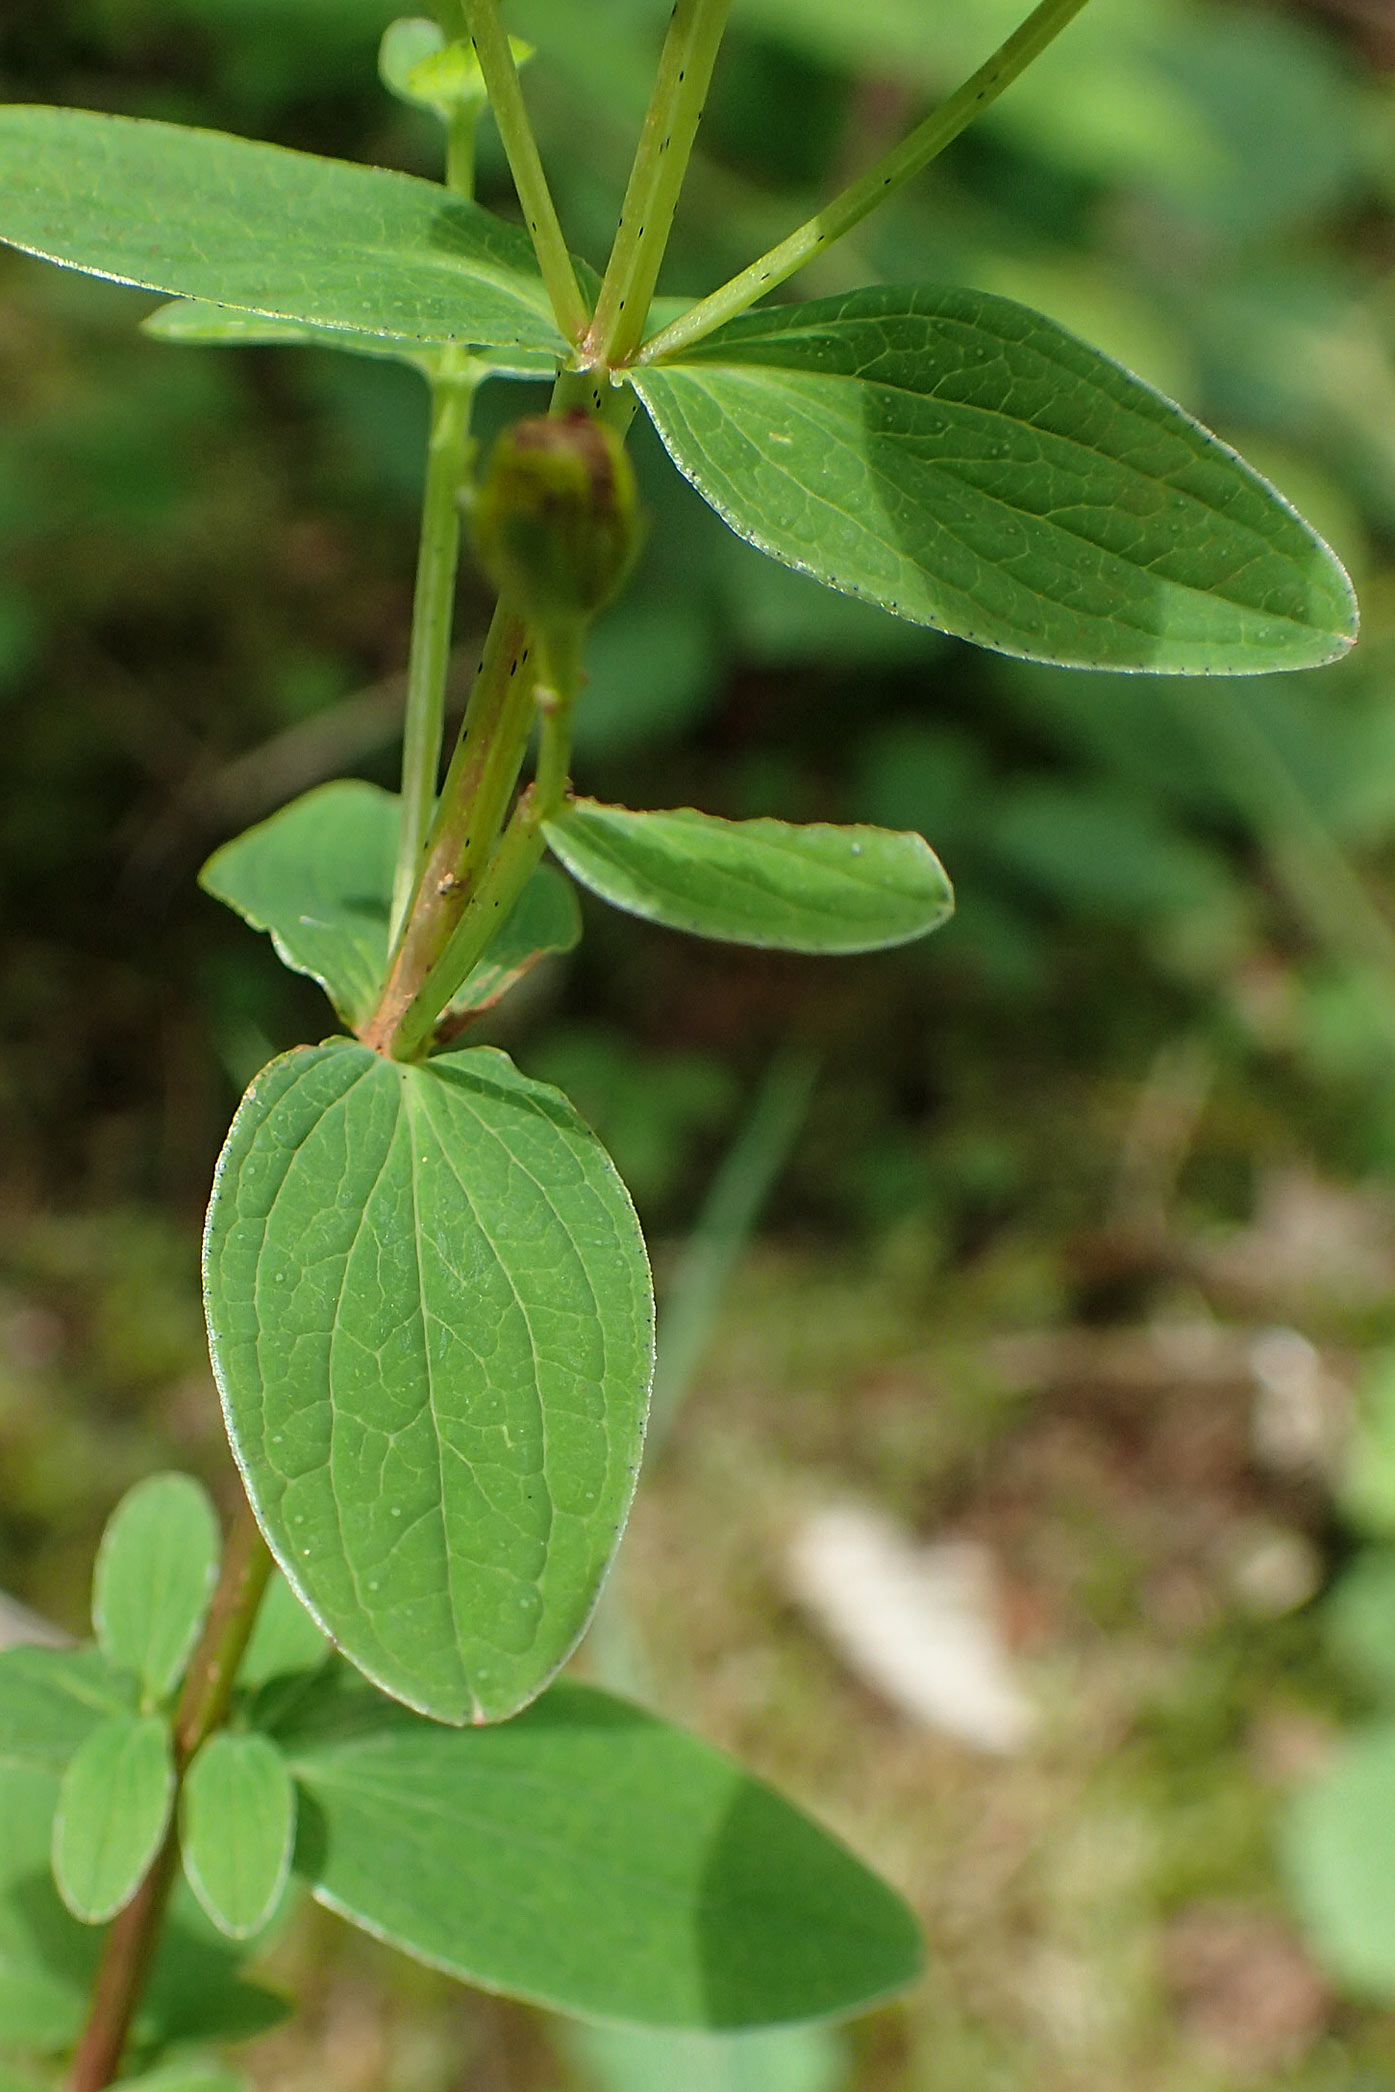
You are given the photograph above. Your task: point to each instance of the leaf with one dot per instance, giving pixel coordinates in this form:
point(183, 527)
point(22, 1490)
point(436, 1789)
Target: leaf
point(431, 1321)
point(197, 214)
point(591, 1858)
point(1339, 1851)
point(416, 64)
point(967, 464)
point(284, 1641)
point(113, 1808)
point(47, 1959)
point(52, 1699)
point(156, 1568)
point(771, 883)
point(318, 876)
point(237, 1826)
point(191, 323)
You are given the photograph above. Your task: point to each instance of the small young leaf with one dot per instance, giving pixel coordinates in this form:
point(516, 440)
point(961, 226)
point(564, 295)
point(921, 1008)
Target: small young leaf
point(430, 1317)
point(284, 1641)
point(236, 1830)
point(191, 323)
point(47, 1958)
point(770, 883)
point(197, 214)
point(113, 1808)
point(967, 464)
point(416, 64)
point(591, 1858)
point(52, 1699)
point(1339, 1852)
point(318, 876)
point(156, 1568)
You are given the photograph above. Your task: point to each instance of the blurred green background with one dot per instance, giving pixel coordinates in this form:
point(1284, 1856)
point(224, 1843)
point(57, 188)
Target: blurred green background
point(1066, 1167)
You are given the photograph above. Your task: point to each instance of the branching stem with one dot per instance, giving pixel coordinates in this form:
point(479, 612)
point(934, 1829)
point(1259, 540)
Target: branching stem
point(491, 44)
point(474, 800)
point(433, 611)
point(900, 166)
point(131, 1941)
point(520, 847)
point(656, 179)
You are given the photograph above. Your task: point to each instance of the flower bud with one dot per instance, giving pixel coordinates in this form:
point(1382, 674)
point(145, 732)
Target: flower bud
point(556, 521)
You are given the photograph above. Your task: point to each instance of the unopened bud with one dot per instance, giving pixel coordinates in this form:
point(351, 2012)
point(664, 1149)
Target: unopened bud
point(556, 521)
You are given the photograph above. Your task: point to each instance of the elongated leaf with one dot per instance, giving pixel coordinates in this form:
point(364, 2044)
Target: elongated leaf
point(191, 323)
point(1339, 1853)
point(47, 1959)
point(156, 1568)
point(810, 889)
point(592, 1858)
point(967, 464)
point(430, 1317)
point(318, 876)
point(236, 1829)
point(52, 1699)
point(197, 214)
point(113, 1807)
point(284, 1641)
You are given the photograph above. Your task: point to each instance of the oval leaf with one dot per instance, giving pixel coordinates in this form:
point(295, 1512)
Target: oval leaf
point(47, 1959)
point(318, 875)
point(197, 214)
point(591, 1858)
point(52, 1699)
point(431, 1320)
point(967, 464)
point(771, 883)
point(113, 1809)
point(236, 1829)
point(156, 1568)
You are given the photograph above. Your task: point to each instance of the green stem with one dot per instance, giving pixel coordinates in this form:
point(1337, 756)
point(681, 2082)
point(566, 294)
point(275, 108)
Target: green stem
point(508, 872)
point(656, 179)
point(486, 33)
point(900, 165)
point(520, 847)
point(474, 800)
point(452, 397)
point(128, 1952)
point(460, 148)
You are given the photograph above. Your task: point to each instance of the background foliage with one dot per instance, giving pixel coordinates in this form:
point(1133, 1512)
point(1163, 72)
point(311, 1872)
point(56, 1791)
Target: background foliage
point(1169, 992)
